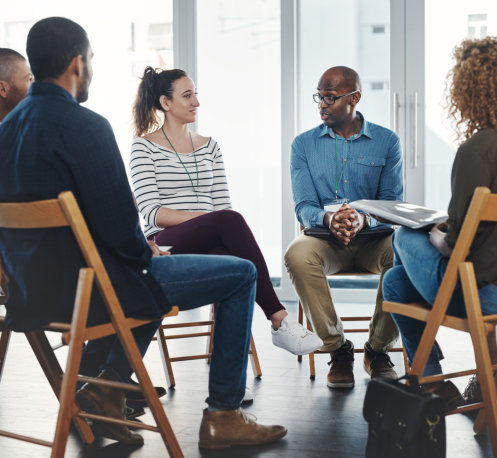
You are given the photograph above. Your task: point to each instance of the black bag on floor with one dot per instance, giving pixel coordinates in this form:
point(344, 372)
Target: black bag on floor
point(404, 421)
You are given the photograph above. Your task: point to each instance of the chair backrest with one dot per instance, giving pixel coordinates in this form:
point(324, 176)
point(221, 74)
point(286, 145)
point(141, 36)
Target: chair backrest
point(483, 207)
point(61, 212)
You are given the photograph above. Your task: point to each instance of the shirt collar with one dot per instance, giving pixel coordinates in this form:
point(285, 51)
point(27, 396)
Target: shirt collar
point(365, 129)
point(39, 88)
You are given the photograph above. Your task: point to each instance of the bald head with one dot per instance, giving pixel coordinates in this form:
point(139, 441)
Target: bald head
point(340, 79)
point(15, 79)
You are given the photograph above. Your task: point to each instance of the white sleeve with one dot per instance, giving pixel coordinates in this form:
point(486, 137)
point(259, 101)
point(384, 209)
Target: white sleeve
point(220, 191)
point(142, 169)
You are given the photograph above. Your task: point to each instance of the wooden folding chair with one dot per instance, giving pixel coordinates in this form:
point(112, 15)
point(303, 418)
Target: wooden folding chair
point(4, 332)
point(357, 329)
point(208, 325)
point(483, 207)
point(61, 212)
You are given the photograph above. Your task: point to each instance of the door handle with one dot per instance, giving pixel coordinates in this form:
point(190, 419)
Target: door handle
point(414, 149)
point(395, 112)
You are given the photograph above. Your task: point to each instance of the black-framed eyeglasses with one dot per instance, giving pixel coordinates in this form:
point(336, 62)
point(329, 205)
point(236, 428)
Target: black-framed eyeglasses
point(330, 99)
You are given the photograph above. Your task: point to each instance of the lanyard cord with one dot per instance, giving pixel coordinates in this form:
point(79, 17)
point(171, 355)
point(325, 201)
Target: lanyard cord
point(346, 159)
point(194, 157)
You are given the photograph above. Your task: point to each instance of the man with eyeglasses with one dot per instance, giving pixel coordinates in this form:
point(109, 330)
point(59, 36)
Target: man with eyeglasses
point(346, 158)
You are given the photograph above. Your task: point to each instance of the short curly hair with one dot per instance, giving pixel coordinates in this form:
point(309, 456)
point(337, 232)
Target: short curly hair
point(472, 86)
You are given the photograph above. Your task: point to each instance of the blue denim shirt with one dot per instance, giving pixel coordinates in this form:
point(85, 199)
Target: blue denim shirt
point(367, 165)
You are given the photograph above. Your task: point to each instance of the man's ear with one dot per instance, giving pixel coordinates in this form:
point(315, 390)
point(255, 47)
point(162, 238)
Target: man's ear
point(354, 99)
point(4, 89)
point(77, 65)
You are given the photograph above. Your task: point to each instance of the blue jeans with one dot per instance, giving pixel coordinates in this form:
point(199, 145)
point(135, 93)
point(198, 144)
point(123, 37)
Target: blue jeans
point(416, 276)
point(190, 281)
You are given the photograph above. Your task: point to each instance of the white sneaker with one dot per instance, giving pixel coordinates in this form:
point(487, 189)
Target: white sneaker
point(293, 337)
point(248, 397)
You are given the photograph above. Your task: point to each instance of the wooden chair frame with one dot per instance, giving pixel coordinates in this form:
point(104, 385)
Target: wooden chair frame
point(4, 332)
point(64, 212)
point(483, 207)
point(356, 330)
point(209, 333)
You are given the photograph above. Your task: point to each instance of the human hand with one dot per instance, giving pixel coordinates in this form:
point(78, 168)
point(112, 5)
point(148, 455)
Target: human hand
point(345, 223)
point(156, 249)
point(437, 239)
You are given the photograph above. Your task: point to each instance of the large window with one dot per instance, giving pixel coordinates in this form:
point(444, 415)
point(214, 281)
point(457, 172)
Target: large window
point(475, 19)
point(125, 37)
point(239, 92)
point(354, 33)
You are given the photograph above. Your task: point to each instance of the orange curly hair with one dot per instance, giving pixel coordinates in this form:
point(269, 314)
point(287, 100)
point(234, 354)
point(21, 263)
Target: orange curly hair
point(472, 86)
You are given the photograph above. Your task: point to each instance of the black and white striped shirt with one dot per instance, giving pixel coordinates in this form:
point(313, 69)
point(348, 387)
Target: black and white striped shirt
point(160, 180)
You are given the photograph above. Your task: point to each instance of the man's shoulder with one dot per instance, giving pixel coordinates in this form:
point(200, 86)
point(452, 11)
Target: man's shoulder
point(309, 134)
point(376, 130)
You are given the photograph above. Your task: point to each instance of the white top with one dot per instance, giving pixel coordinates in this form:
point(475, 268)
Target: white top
point(160, 180)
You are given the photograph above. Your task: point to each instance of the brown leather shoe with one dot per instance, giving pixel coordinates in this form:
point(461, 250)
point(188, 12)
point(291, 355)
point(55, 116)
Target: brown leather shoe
point(378, 364)
point(341, 374)
point(449, 393)
point(224, 428)
point(103, 400)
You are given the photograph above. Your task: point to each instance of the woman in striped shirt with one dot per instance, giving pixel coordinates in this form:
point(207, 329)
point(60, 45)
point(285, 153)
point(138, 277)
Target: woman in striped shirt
point(182, 193)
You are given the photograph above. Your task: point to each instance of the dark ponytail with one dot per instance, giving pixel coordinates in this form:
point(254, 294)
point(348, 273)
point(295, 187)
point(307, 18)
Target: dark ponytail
point(154, 84)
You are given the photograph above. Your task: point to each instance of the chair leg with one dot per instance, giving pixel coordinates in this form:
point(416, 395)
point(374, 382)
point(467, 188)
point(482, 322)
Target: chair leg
point(312, 368)
point(4, 346)
point(136, 361)
point(301, 321)
point(68, 388)
point(210, 341)
point(53, 372)
point(254, 359)
point(165, 358)
point(481, 350)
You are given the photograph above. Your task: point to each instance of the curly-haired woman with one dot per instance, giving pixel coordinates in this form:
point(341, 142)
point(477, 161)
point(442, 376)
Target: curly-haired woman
point(181, 189)
point(421, 258)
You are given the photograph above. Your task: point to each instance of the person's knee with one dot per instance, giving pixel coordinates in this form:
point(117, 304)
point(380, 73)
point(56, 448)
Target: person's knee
point(401, 234)
point(389, 288)
point(246, 269)
point(300, 255)
point(231, 218)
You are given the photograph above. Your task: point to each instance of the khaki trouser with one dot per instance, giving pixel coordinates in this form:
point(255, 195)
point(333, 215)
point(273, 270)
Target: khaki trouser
point(309, 259)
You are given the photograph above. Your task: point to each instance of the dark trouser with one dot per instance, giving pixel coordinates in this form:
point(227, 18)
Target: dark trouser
point(223, 232)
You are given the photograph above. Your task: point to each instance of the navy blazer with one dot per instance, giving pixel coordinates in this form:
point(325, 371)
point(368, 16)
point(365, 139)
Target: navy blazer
point(48, 144)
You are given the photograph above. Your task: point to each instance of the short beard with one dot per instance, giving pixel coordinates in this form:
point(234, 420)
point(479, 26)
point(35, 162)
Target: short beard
point(82, 95)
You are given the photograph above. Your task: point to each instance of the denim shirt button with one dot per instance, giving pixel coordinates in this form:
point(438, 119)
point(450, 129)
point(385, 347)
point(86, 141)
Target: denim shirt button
point(345, 181)
point(372, 163)
point(144, 271)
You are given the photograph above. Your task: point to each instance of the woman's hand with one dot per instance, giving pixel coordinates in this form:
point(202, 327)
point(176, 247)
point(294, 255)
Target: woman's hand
point(437, 239)
point(156, 249)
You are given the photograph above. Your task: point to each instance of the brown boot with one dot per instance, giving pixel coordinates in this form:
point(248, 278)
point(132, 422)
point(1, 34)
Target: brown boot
point(378, 364)
point(449, 393)
point(103, 400)
point(224, 428)
point(341, 374)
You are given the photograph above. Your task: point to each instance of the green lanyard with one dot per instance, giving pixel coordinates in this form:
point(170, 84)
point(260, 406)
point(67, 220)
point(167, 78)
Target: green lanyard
point(194, 157)
point(337, 181)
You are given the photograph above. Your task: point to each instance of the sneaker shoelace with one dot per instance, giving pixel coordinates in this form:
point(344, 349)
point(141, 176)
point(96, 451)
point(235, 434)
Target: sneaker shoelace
point(298, 330)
